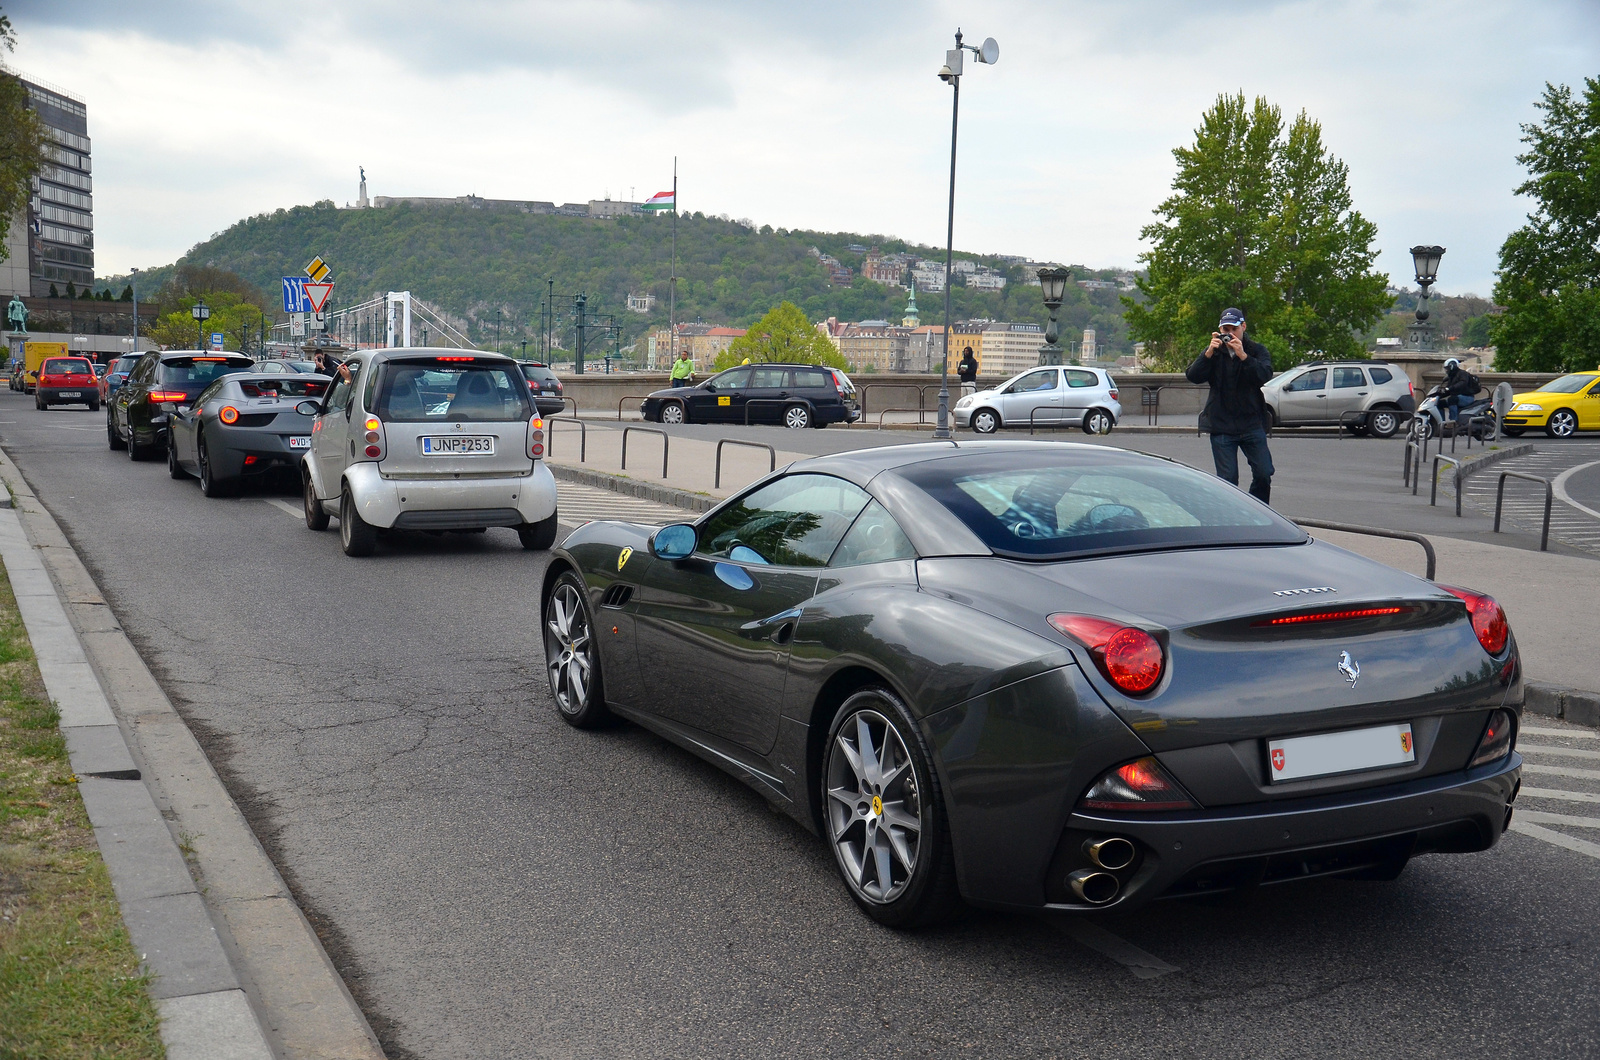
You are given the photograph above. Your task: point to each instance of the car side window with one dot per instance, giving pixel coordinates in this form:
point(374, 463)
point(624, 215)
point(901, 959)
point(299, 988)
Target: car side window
point(796, 521)
point(1044, 379)
point(1380, 375)
point(146, 370)
point(209, 392)
point(1343, 378)
point(1315, 380)
point(733, 379)
point(1594, 391)
point(339, 396)
point(1078, 378)
point(873, 538)
point(809, 378)
point(770, 379)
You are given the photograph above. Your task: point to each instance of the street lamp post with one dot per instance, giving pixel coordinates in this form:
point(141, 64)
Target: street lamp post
point(1419, 336)
point(1053, 283)
point(950, 74)
point(201, 313)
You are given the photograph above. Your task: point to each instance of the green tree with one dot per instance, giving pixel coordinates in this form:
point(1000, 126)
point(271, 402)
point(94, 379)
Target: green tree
point(238, 320)
point(784, 334)
point(22, 139)
point(1260, 218)
point(1549, 278)
point(1476, 331)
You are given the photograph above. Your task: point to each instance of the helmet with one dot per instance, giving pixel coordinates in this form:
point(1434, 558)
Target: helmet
point(1451, 363)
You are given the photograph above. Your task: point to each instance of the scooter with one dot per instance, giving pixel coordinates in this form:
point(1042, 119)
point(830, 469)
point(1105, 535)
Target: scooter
point(1432, 419)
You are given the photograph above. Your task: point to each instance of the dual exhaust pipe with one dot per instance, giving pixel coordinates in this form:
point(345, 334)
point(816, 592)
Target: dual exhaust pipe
point(1097, 886)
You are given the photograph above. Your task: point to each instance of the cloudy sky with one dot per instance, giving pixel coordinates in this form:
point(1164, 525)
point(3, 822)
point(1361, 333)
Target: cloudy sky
point(821, 114)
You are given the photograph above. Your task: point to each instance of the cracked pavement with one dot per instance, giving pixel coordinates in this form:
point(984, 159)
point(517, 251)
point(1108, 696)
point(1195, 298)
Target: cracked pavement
point(492, 882)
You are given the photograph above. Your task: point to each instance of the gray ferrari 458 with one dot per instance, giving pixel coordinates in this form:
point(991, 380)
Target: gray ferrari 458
point(1047, 676)
point(244, 425)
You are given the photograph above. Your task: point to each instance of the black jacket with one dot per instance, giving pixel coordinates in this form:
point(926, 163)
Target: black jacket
point(1234, 405)
point(967, 370)
point(1460, 381)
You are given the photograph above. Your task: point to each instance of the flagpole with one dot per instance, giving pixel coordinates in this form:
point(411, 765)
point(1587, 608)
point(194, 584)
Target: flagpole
point(672, 288)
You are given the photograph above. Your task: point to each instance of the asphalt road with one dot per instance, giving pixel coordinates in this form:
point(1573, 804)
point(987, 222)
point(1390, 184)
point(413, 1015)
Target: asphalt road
point(493, 883)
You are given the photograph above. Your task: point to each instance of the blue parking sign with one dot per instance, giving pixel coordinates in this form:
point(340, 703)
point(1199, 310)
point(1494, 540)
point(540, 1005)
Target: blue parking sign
point(216, 340)
point(294, 295)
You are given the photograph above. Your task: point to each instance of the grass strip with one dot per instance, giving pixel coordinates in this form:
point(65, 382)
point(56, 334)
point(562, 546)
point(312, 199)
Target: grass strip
point(70, 984)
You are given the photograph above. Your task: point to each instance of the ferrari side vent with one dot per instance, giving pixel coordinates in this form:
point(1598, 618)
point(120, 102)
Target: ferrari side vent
point(617, 596)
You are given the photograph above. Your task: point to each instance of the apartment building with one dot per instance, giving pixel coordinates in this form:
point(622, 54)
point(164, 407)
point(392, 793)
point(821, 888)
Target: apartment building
point(1010, 348)
point(51, 242)
point(875, 345)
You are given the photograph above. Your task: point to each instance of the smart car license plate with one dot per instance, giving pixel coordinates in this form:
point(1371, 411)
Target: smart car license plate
point(72, 393)
point(479, 445)
point(300, 441)
point(1350, 751)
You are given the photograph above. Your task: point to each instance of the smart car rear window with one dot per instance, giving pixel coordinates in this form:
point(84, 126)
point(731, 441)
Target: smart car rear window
point(1057, 505)
point(429, 392)
point(191, 372)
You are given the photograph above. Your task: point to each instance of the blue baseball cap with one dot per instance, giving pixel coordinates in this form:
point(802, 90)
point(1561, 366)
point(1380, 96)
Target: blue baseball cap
point(1231, 318)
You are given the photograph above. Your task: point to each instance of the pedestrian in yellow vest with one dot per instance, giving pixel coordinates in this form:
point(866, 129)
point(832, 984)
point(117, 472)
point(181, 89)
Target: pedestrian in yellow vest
point(682, 370)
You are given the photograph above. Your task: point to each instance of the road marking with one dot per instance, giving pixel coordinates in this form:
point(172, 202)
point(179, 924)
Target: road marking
point(1541, 817)
point(1558, 793)
point(1570, 733)
point(1562, 771)
point(1570, 752)
point(285, 507)
point(1580, 846)
point(1559, 488)
point(1143, 965)
point(64, 427)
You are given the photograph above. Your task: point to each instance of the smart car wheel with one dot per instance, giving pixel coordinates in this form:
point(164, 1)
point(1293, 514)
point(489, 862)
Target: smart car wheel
point(1382, 423)
point(985, 421)
point(884, 813)
point(536, 537)
point(570, 656)
point(1097, 421)
point(356, 535)
point(316, 514)
point(671, 412)
point(1562, 423)
point(797, 418)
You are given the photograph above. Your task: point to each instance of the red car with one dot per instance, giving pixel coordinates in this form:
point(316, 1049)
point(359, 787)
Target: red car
point(67, 381)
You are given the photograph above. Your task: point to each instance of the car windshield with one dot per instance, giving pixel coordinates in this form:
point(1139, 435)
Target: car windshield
point(1056, 505)
point(195, 372)
point(283, 386)
point(1568, 384)
point(435, 391)
point(302, 366)
point(66, 366)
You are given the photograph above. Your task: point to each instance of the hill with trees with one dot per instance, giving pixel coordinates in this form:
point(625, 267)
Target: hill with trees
point(491, 266)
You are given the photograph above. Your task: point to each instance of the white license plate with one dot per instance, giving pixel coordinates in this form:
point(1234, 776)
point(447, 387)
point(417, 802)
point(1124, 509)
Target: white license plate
point(300, 441)
point(1350, 751)
point(71, 393)
point(479, 445)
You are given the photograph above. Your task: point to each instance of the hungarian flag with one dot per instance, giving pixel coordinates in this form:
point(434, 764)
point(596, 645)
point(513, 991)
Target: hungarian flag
point(661, 200)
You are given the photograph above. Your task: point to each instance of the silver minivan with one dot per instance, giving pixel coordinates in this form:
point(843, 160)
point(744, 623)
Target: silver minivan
point(1048, 395)
point(428, 439)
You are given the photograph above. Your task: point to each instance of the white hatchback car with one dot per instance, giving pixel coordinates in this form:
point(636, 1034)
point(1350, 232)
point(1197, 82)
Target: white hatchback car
point(428, 439)
point(1045, 396)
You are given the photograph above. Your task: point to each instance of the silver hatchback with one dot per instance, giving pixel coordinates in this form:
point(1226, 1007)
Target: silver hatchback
point(428, 439)
point(1045, 396)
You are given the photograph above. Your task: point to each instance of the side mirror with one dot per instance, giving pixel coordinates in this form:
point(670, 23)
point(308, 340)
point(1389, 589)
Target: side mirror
point(708, 385)
point(673, 542)
point(309, 408)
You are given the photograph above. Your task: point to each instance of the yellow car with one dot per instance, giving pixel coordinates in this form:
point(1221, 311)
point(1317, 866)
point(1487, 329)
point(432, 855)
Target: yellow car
point(1565, 405)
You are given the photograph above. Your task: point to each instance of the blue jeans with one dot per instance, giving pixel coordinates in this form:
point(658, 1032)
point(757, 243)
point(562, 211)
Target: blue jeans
point(1225, 452)
point(1456, 403)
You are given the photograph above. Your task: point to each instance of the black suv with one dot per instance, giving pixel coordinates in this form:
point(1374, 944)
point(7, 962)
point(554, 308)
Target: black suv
point(543, 387)
point(136, 419)
point(794, 395)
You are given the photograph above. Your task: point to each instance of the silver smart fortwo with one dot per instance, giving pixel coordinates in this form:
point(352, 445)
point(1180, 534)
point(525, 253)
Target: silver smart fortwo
point(428, 439)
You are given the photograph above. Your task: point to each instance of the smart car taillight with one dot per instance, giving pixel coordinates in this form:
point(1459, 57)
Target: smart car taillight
point(1488, 621)
point(1130, 658)
point(374, 437)
point(1495, 743)
point(1141, 785)
point(536, 437)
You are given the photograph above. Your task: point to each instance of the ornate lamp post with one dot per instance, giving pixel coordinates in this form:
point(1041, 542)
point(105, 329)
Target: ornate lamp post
point(1419, 336)
point(201, 313)
point(1053, 283)
point(950, 74)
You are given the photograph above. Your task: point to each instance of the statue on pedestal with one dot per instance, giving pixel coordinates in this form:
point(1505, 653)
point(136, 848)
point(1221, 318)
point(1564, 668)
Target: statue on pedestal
point(17, 316)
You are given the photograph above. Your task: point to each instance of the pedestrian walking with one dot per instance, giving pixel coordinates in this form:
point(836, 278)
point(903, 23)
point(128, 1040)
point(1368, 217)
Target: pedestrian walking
point(967, 372)
point(682, 370)
point(1235, 367)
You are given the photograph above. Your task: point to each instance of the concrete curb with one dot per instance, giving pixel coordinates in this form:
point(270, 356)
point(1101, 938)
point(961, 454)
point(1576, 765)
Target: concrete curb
point(622, 484)
point(238, 970)
point(1568, 704)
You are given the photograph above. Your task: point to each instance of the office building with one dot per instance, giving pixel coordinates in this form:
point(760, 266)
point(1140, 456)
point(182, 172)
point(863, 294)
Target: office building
point(52, 241)
point(1011, 348)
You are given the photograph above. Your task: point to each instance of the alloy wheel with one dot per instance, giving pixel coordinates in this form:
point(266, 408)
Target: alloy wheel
point(672, 412)
point(1562, 423)
point(567, 649)
point(875, 818)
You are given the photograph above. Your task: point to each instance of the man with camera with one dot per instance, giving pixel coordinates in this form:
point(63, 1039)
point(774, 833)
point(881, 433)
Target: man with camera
point(1235, 368)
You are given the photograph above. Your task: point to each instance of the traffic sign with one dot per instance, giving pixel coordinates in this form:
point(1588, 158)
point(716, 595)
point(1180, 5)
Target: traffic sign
point(317, 294)
point(297, 326)
point(294, 295)
point(318, 270)
point(317, 322)
point(216, 340)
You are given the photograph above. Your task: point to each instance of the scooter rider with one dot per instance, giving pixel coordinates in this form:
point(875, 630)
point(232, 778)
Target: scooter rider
point(1460, 388)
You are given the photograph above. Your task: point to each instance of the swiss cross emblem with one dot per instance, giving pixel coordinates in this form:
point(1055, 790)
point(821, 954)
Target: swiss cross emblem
point(1277, 758)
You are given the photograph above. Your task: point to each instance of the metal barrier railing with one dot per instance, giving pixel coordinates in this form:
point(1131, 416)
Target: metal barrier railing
point(666, 445)
point(583, 436)
point(626, 398)
point(884, 412)
point(1549, 500)
point(866, 388)
point(784, 402)
point(574, 402)
point(1433, 489)
point(1150, 401)
point(1375, 531)
point(772, 455)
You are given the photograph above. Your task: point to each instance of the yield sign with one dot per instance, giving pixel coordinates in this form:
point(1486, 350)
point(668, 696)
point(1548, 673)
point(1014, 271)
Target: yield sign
point(317, 295)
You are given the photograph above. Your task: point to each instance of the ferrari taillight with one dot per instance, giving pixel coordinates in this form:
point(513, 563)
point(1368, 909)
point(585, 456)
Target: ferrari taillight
point(1129, 657)
point(1142, 785)
point(1488, 620)
point(228, 415)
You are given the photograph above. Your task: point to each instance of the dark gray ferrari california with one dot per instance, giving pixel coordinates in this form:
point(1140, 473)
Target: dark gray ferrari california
point(1047, 676)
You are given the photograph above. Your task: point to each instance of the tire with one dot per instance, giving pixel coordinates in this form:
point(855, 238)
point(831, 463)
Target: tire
point(797, 418)
point(356, 535)
point(1097, 421)
point(863, 817)
point(94, 406)
point(672, 412)
point(316, 515)
point(114, 440)
point(38, 403)
point(174, 468)
point(210, 485)
point(1382, 423)
point(985, 421)
point(1562, 424)
point(1511, 432)
point(571, 658)
point(536, 537)
point(1270, 417)
point(137, 451)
